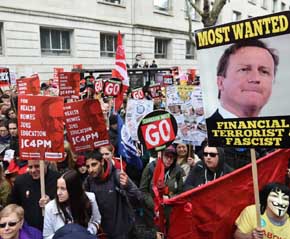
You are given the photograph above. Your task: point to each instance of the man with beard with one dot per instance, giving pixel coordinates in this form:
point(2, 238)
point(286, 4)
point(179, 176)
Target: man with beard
point(114, 194)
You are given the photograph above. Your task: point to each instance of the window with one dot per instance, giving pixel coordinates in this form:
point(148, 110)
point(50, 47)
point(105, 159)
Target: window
point(265, 4)
point(275, 6)
point(161, 48)
point(237, 16)
point(55, 42)
point(114, 1)
point(283, 6)
point(108, 44)
point(162, 5)
point(190, 50)
point(194, 15)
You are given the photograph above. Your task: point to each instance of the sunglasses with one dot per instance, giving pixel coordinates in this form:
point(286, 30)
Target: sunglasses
point(205, 154)
point(10, 224)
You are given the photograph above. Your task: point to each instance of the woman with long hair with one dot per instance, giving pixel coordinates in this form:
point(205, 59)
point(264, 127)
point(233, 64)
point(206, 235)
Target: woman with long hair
point(71, 205)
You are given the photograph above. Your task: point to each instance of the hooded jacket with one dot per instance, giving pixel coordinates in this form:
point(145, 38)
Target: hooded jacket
point(200, 174)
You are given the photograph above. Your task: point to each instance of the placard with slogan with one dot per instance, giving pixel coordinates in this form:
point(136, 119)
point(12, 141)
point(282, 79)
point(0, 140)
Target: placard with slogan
point(112, 87)
point(244, 72)
point(69, 84)
point(28, 86)
point(56, 71)
point(157, 130)
point(137, 94)
point(4, 76)
point(85, 124)
point(41, 127)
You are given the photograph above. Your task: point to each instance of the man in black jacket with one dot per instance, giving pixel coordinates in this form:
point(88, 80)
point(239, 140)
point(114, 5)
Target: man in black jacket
point(210, 168)
point(26, 192)
point(114, 194)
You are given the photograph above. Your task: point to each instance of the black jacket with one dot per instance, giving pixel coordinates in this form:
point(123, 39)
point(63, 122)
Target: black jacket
point(26, 193)
point(200, 174)
point(114, 202)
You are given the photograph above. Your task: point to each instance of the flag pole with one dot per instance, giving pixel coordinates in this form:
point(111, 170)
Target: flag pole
point(256, 186)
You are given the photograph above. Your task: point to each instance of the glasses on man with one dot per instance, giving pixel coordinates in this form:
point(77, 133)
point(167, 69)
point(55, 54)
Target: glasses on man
point(10, 224)
point(205, 154)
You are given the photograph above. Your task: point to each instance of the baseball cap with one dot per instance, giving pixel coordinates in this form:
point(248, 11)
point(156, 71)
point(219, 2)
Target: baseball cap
point(170, 150)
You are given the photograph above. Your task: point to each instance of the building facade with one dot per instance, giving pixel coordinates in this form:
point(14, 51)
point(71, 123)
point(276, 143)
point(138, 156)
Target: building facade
point(38, 35)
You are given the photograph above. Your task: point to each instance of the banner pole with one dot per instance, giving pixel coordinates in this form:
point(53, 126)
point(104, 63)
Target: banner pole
point(256, 186)
point(42, 181)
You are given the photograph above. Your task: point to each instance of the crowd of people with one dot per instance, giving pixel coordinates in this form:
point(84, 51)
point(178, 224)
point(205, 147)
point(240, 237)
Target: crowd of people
point(99, 191)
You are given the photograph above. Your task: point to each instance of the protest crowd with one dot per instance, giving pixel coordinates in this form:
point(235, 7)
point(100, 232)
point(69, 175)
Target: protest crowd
point(100, 190)
point(79, 160)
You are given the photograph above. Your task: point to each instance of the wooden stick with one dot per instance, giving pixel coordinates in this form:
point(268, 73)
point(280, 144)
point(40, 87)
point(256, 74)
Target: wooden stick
point(256, 186)
point(42, 180)
point(121, 163)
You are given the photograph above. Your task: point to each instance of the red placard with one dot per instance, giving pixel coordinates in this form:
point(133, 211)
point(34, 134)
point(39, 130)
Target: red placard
point(85, 124)
point(112, 87)
point(137, 94)
point(28, 86)
point(4, 77)
point(167, 79)
point(157, 130)
point(78, 66)
point(41, 127)
point(154, 91)
point(56, 71)
point(98, 85)
point(69, 84)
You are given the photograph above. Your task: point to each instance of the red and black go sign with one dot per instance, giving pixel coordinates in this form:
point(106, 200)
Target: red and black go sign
point(112, 87)
point(157, 130)
point(137, 94)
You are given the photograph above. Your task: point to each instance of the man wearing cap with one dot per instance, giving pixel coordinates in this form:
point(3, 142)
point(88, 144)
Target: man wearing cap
point(172, 179)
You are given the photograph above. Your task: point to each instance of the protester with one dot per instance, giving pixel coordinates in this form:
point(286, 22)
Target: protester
point(113, 132)
point(210, 168)
point(69, 159)
point(26, 192)
point(81, 168)
point(4, 134)
point(153, 65)
point(245, 75)
point(115, 193)
point(12, 225)
point(5, 188)
point(275, 212)
point(172, 182)
point(71, 205)
point(184, 160)
point(10, 114)
point(107, 153)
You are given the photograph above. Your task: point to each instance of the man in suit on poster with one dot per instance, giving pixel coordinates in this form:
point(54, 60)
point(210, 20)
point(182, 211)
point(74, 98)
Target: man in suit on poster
point(245, 74)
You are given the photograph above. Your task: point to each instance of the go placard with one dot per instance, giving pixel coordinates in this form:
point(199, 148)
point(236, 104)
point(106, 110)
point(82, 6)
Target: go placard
point(98, 85)
point(112, 88)
point(157, 130)
point(137, 94)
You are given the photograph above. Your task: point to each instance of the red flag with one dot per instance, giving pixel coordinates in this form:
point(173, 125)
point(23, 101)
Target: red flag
point(210, 211)
point(120, 72)
point(158, 182)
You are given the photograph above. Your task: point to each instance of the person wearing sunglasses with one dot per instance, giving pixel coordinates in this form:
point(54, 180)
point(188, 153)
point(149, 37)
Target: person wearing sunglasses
point(210, 168)
point(13, 226)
